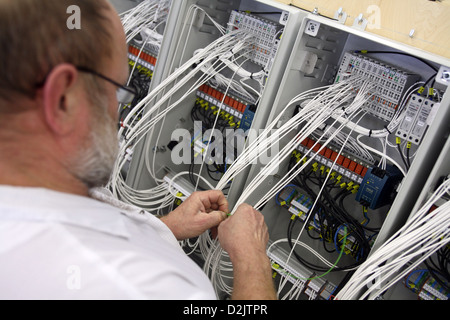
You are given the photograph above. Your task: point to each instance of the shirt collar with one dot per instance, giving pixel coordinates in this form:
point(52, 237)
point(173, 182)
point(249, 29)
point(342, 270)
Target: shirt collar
point(36, 204)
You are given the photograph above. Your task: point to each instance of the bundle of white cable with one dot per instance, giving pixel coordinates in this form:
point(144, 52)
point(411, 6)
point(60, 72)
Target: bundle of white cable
point(330, 101)
point(207, 64)
point(220, 82)
point(144, 19)
point(351, 144)
point(160, 196)
point(192, 13)
point(356, 113)
point(261, 143)
point(396, 120)
point(143, 16)
point(211, 60)
point(205, 61)
point(232, 59)
point(312, 116)
point(337, 100)
point(421, 236)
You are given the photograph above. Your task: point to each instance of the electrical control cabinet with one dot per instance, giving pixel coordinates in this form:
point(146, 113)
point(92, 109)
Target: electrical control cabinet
point(379, 201)
point(364, 163)
point(189, 29)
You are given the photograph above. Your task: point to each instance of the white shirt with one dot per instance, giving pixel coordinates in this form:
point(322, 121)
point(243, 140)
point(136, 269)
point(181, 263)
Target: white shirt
point(61, 246)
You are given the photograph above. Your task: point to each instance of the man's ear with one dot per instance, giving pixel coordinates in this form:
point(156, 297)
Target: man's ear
point(58, 98)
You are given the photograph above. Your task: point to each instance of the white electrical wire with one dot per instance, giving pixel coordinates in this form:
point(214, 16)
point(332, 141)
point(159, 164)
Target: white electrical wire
point(357, 112)
point(383, 155)
point(395, 122)
point(133, 138)
point(264, 141)
point(315, 118)
point(351, 145)
point(209, 62)
point(149, 14)
point(215, 122)
point(193, 13)
point(337, 96)
point(246, 157)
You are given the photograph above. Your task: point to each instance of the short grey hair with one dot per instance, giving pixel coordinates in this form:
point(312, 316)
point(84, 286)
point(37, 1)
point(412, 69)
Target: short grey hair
point(34, 38)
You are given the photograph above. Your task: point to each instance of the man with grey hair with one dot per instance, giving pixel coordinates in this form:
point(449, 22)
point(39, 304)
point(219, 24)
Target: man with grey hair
point(58, 105)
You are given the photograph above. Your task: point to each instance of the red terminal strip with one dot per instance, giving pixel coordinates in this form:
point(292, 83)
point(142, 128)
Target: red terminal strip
point(143, 55)
point(343, 161)
point(359, 169)
point(219, 96)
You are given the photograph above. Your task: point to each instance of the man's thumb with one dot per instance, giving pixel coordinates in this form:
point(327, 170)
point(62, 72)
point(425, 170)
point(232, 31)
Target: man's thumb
point(216, 217)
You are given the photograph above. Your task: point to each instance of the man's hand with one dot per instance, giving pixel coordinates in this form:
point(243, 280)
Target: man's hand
point(245, 236)
point(198, 213)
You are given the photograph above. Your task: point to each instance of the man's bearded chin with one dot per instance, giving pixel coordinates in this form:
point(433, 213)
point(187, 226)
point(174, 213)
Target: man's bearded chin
point(95, 162)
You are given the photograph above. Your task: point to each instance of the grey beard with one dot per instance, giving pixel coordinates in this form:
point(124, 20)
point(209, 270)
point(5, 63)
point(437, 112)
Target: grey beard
point(95, 163)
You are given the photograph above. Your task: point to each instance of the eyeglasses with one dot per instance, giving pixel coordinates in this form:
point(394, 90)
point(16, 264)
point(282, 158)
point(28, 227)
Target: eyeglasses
point(125, 94)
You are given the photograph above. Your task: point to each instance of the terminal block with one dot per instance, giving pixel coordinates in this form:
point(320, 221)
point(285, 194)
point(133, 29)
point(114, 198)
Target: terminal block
point(391, 82)
point(267, 35)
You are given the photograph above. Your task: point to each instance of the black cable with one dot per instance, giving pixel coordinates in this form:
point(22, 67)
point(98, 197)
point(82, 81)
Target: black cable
point(401, 156)
point(210, 172)
point(309, 264)
point(330, 208)
point(297, 256)
point(408, 158)
point(331, 227)
point(192, 177)
point(344, 218)
point(431, 79)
